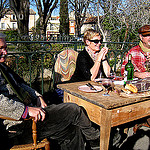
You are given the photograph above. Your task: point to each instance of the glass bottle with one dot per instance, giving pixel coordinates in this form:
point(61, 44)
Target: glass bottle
point(129, 69)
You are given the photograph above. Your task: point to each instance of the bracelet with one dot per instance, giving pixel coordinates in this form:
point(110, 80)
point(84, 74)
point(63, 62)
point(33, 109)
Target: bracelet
point(103, 60)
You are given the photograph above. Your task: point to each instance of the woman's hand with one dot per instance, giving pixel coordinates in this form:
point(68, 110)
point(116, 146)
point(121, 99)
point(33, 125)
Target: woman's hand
point(102, 53)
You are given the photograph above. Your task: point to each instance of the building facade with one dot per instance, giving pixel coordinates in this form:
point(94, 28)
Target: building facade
point(9, 21)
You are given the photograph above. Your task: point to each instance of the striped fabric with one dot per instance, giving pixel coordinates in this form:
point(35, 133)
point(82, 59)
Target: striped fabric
point(65, 65)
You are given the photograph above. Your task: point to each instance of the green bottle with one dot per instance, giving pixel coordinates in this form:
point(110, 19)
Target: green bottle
point(129, 69)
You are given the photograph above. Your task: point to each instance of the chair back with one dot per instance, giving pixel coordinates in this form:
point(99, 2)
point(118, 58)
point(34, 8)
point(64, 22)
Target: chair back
point(65, 65)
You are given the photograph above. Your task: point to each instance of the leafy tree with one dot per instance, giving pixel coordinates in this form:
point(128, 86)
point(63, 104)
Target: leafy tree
point(64, 17)
point(11, 35)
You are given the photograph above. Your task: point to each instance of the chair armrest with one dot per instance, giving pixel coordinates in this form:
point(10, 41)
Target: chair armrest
point(7, 118)
point(34, 131)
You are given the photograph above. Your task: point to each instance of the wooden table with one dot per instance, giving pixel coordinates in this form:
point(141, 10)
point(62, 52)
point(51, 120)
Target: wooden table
point(106, 111)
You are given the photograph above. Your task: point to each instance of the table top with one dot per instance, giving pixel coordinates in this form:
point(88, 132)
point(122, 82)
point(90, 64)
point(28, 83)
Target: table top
point(107, 102)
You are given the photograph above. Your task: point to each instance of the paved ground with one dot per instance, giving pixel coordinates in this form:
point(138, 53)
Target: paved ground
point(138, 141)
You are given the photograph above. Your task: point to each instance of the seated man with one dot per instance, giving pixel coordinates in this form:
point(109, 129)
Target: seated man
point(140, 54)
point(65, 122)
point(140, 57)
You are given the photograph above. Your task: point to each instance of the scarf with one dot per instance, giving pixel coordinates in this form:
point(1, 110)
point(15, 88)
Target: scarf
point(144, 49)
point(94, 57)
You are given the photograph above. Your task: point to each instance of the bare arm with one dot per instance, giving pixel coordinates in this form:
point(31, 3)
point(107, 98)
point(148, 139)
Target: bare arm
point(101, 56)
point(142, 75)
point(106, 68)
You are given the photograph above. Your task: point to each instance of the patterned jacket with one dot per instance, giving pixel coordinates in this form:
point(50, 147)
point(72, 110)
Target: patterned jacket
point(10, 106)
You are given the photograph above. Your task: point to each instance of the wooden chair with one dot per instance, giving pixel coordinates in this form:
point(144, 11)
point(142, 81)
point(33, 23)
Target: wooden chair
point(35, 145)
point(65, 65)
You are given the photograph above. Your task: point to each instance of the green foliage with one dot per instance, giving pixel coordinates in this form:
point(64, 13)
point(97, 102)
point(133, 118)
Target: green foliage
point(107, 25)
point(57, 47)
point(24, 62)
point(117, 32)
point(11, 35)
point(34, 60)
point(112, 62)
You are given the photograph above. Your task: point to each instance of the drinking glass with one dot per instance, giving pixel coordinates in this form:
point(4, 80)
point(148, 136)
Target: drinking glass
point(107, 83)
point(112, 75)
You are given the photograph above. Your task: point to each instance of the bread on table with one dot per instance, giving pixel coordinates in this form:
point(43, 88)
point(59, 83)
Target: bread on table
point(126, 91)
point(131, 87)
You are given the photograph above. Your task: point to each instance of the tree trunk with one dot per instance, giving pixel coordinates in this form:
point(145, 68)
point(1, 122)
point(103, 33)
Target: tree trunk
point(21, 10)
point(77, 26)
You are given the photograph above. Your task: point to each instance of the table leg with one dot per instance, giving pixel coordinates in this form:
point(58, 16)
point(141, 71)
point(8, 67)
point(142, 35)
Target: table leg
point(105, 129)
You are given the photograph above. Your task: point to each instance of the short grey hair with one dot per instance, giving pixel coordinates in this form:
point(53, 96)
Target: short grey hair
point(2, 36)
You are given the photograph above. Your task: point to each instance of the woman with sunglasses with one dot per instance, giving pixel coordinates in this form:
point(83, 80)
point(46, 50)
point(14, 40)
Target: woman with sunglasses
point(91, 62)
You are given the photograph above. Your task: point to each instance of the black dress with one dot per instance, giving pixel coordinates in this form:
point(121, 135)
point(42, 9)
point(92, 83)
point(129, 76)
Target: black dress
point(83, 65)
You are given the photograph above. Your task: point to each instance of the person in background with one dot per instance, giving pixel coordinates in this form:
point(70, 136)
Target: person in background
point(91, 62)
point(66, 122)
point(140, 54)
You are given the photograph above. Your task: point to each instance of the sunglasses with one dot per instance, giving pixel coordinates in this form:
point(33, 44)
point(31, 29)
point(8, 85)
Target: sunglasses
point(96, 41)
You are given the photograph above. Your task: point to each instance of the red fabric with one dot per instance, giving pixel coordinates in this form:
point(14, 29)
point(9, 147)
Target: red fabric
point(25, 113)
point(138, 59)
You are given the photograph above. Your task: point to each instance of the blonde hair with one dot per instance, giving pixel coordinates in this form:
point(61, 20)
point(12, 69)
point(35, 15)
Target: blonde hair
point(89, 34)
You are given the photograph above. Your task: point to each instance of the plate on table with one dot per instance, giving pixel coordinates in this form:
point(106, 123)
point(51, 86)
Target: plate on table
point(98, 79)
point(87, 89)
point(119, 82)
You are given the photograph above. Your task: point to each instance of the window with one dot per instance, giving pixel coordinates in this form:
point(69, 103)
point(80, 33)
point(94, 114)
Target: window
point(13, 17)
point(14, 25)
point(72, 30)
point(72, 23)
point(21, 16)
point(53, 18)
point(2, 26)
point(51, 27)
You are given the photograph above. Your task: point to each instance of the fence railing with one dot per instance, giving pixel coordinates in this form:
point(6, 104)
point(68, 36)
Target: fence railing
point(31, 65)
